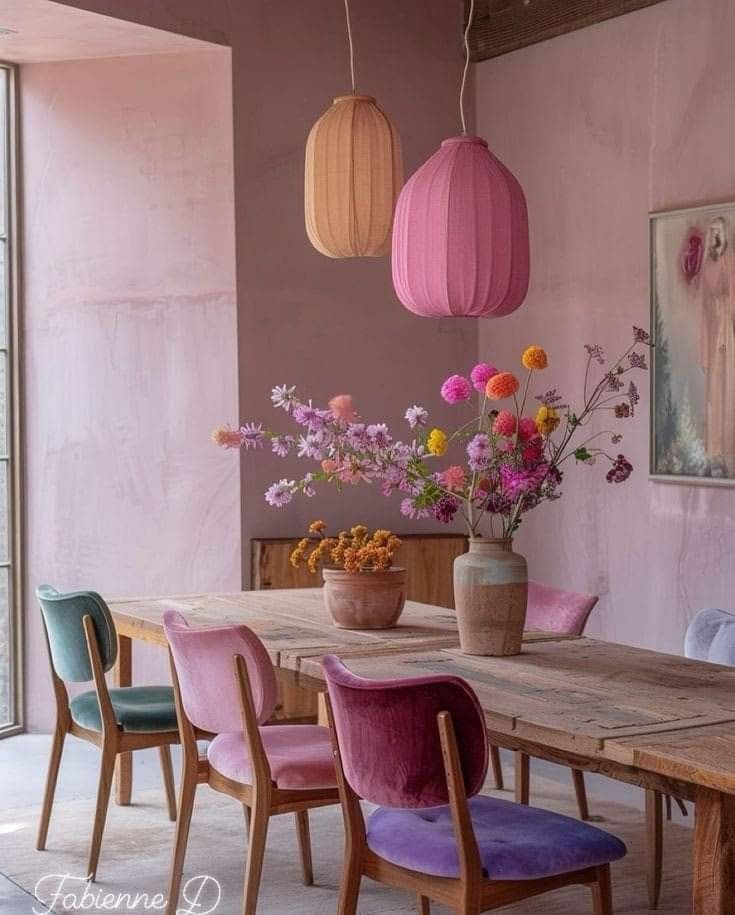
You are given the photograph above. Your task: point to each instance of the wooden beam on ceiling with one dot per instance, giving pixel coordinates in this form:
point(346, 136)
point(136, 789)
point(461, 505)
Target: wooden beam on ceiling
point(501, 26)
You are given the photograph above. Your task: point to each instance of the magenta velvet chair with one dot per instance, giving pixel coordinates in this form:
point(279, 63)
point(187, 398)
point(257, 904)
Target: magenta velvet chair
point(225, 689)
point(565, 612)
point(418, 749)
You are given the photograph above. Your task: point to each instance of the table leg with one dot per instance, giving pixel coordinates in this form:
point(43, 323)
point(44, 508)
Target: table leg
point(714, 853)
point(123, 676)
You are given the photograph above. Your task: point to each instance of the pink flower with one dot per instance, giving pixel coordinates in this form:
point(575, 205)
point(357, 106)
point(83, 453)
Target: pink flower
point(481, 374)
point(342, 408)
point(533, 451)
point(456, 388)
point(329, 466)
point(505, 423)
point(453, 478)
point(527, 428)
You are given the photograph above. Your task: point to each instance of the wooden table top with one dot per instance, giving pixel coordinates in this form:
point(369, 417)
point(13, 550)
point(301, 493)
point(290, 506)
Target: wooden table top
point(643, 709)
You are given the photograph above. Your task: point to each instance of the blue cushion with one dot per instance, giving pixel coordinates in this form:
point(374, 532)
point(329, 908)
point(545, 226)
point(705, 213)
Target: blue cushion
point(711, 637)
point(515, 842)
point(137, 708)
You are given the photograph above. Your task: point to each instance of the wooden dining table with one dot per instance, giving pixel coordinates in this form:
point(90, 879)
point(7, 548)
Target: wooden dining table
point(655, 720)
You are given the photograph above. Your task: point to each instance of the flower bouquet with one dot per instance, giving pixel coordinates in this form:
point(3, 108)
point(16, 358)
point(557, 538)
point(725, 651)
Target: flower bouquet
point(362, 587)
point(513, 458)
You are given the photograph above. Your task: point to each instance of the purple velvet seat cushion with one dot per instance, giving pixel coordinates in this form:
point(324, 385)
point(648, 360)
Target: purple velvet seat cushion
point(515, 842)
point(300, 756)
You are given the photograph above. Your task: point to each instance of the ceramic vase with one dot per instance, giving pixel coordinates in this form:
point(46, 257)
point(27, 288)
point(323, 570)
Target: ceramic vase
point(365, 600)
point(490, 594)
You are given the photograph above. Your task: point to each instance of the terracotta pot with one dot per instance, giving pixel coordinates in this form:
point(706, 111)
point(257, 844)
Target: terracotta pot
point(364, 600)
point(491, 594)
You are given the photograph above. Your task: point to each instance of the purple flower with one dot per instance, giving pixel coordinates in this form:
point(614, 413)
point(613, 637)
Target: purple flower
point(517, 482)
point(307, 486)
point(280, 493)
point(616, 438)
point(613, 382)
point(284, 397)
point(306, 415)
point(640, 335)
point(411, 511)
point(595, 352)
point(633, 396)
point(445, 509)
point(620, 471)
point(455, 389)
point(478, 451)
point(282, 444)
point(637, 360)
point(481, 374)
point(416, 416)
point(311, 446)
point(552, 399)
point(379, 435)
point(252, 435)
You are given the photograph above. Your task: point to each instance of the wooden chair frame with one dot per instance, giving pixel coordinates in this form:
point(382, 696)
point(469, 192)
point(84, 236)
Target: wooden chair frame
point(112, 741)
point(261, 800)
point(470, 893)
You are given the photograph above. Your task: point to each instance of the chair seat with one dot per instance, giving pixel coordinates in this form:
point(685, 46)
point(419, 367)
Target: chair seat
point(139, 709)
point(515, 842)
point(300, 756)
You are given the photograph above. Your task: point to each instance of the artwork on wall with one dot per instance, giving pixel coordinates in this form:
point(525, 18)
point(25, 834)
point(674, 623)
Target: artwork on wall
point(693, 324)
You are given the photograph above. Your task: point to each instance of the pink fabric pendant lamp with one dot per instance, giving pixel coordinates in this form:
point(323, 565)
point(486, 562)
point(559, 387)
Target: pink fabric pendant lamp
point(460, 235)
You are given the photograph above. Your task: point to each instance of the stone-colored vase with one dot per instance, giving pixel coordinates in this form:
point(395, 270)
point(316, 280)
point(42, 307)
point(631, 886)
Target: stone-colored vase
point(364, 600)
point(490, 595)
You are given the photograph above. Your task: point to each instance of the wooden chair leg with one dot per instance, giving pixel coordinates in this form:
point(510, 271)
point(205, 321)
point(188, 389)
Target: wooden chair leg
point(187, 790)
point(668, 807)
point(682, 806)
point(654, 845)
point(302, 831)
point(164, 753)
point(349, 890)
point(54, 762)
point(107, 770)
point(422, 904)
point(259, 817)
point(523, 778)
point(602, 892)
point(246, 811)
point(496, 767)
point(581, 791)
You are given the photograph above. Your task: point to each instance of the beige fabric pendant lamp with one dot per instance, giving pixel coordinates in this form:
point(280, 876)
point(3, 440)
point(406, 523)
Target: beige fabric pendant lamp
point(353, 175)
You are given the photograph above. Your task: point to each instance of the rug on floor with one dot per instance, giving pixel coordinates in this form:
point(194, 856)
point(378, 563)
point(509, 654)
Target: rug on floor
point(137, 846)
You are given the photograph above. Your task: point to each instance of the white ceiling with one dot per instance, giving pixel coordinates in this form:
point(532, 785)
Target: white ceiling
point(51, 31)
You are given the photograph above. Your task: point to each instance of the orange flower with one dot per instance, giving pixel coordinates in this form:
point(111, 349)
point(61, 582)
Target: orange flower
point(502, 385)
point(534, 358)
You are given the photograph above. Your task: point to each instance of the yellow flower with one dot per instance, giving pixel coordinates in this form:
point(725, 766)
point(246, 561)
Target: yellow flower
point(534, 358)
point(437, 442)
point(547, 419)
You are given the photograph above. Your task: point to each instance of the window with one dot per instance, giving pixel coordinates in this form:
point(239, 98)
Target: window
point(10, 592)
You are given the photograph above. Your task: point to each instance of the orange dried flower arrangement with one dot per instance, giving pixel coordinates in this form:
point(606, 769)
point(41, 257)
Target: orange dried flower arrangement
point(356, 550)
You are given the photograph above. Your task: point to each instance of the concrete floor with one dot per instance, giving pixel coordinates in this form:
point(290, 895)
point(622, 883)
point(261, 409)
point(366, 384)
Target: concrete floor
point(23, 761)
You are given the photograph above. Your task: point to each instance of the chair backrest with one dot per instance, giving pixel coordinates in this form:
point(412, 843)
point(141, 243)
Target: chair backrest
point(204, 663)
point(711, 637)
point(556, 610)
point(62, 616)
point(389, 737)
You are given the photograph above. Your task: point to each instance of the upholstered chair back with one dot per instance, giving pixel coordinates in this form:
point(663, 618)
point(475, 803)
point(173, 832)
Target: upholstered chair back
point(389, 737)
point(63, 616)
point(711, 637)
point(556, 610)
point(204, 661)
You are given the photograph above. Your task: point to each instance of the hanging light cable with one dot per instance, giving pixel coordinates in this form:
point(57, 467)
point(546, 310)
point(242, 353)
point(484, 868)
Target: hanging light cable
point(353, 173)
point(460, 234)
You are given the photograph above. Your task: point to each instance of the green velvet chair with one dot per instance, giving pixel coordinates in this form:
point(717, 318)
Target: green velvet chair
point(82, 645)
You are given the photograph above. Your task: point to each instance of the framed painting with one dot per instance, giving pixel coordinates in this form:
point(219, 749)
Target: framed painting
point(693, 328)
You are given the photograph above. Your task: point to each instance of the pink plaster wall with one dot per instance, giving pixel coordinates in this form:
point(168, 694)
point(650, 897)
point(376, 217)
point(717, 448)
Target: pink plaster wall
point(130, 332)
point(329, 326)
point(603, 126)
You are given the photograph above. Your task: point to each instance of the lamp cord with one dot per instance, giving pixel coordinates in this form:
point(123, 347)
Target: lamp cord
point(470, 17)
point(352, 50)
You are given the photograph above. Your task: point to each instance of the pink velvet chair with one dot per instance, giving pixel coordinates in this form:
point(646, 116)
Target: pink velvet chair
point(418, 749)
point(225, 689)
point(566, 612)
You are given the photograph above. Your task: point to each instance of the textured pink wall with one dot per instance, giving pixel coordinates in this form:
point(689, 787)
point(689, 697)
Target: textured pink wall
point(602, 126)
point(130, 332)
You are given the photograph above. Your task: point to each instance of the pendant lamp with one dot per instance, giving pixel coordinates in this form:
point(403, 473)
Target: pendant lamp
point(353, 174)
point(460, 235)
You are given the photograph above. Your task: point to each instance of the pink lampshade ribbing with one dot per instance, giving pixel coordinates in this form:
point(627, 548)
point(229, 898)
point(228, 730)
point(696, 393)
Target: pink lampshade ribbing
point(460, 235)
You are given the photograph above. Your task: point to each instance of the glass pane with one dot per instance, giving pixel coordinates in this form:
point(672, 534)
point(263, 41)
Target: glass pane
point(4, 539)
point(3, 290)
point(6, 646)
point(3, 145)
